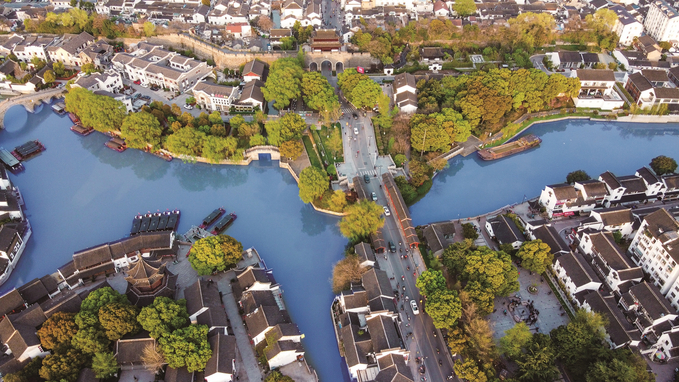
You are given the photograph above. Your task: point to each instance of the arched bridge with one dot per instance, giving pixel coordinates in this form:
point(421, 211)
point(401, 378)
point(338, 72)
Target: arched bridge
point(30, 101)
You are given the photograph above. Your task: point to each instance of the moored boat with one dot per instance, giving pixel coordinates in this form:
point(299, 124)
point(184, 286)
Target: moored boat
point(82, 130)
point(224, 223)
point(162, 223)
point(162, 155)
point(136, 224)
point(145, 221)
point(74, 118)
point(59, 108)
point(116, 144)
point(214, 215)
point(511, 148)
point(28, 150)
point(172, 220)
point(154, 222)
point(10, 161)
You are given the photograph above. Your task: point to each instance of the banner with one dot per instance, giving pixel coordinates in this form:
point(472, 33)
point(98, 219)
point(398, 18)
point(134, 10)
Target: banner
point(360, 70)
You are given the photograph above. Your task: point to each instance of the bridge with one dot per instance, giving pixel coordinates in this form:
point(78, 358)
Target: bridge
point(29, 101)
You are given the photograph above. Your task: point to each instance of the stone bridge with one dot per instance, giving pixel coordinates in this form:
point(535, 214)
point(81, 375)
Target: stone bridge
point(29, 101)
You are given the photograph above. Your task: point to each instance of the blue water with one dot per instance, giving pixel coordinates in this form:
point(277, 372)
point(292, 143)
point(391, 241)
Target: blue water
point(471, 186)
point(80, 193)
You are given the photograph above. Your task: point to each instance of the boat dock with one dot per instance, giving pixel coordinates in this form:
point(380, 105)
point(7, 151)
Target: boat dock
point(154, 222)
point(194, 234)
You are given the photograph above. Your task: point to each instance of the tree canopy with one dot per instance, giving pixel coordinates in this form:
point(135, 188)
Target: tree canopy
point(577, 176)
point(313, 182)
point(141, 129)
point(283, 82)
point(104, 365)
point(187, 141)
point(663, 165)
point(359, 89)
point(58, 330)
point(186, 347)
point(444, 308)
point(535, 256)
point(430, 282)
point(163, 316)
point(118, 320)
point(362, 219)
point(99, 112)
point(215, 254)
point(63, 366)
point(515, 340)
point(464, 8)
point(319, 94)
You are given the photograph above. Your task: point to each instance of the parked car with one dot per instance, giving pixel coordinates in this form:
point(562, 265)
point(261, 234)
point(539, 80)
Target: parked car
point(392, 247)
point(144, 85)
point(413, 305)
point(188, 107)
point(137, 82)
point(386, 211)
point(374, 196)
point(366, 178)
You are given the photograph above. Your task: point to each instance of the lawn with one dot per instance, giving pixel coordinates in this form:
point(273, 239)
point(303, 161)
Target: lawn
point(313, 156)
point(322, 137)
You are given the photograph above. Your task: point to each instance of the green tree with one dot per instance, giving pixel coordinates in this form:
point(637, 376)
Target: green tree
point(257, 140)
point(338, 201)
point(58, 330)
point(215, 118)
point(365, 94)
point(276, 376)
point(236, 121)
point(49, 77)
point(291, 127)
point(99, 112)
point(215, 149)
point(515, 340)
point(163, 316)
point(663, 165)
point(63, 366)
point(99, 298)
point(469, 231)
point(149, 29)
point(187, 141)
point(90, 340)
point(444, 308)
point(186, 347)
point(287, 43)
point(535, 256)
point(469, 371)
point(464, 8)
point(141, 129)
point(273, 132)
point(104, 365)
point(291, 149)
point(283, 82)
point(59, 68)
point(313, 182)
point(30, 372)
point(88, 68)
point(537, 364)
point(577, 176)
point(215, 254)
point(431, 282)
point(428, 135)
point(334, 142)
point(248, 129)
point(621, 365)
point(362, 219)
point(118, 320)
point(576, 342)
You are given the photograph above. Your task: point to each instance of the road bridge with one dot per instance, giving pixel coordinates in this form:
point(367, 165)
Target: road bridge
point(29, 101)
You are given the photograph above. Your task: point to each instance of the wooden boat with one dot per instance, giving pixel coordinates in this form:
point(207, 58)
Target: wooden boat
point(28, 150)
point(136, 224)
point(162, 155)
point(116, 144)
point(224, 223)
point(82, 130)
point(74, 118)
point(162, 223)
point(145, 221)
point(214, 215)
point(12, 163)
point(172, 220)
point(511, 148)
point(155, 219)
point(59, 108)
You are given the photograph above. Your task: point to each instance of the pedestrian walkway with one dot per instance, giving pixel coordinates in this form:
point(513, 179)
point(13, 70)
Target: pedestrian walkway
point(348, 109)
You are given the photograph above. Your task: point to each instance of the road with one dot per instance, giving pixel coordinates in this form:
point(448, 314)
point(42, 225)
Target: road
point(331, 14)
point(360, 154)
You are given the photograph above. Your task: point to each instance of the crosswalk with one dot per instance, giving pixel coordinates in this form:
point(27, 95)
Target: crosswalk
point(348, 110)
point(366, 172)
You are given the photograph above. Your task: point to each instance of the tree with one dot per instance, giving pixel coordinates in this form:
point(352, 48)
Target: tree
point(215, 118)
point(88, 68)
point(104, 365)
point(623, 366)
point(149, 29)
point(118, 320)
point(576, 342)
point(215, 254)
point(236, 121)
point(431, 282)
point(62, 366)
point(206, 3)
point(362, 219)
point(291, 127)
point(59, 68)
point(535, 256)
point(141, 129)
point(426, 134)
point(313, 182)
point(283, 82)
point(215, 149)
point(287, 43)
point(515, 340)
point(345, 272)
point(334, 143)
point(38, 63)
point(163, 316)
point(30, 372)
point(444, 308)
point(469, 231)
point(152, 359)
point(218, 130)
point(49, 77)
point(577, 176)
point(99, 112)
point(187, 141)
point(248, 129)
point(469, 371)
point(276, 376)
point(257, 140)
point(99, 298)
point(464, 8)
point(264, 23)
point(338, 201)
point(663, 165)
point(537, 364)
point(58, 330)
point(291, 149)
point(365, 94)
point(187, 347)
point(90, 340)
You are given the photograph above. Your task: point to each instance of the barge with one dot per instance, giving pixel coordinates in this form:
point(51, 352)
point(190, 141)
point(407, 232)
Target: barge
point(212, 217)
point(59, 108)
point(154, 222)
point(74, 118)
point(28, 150)
point(116, 144)
point(163, 156)
point(10, 161)
point(511, 148)
point(224, 223)
point(82, 130)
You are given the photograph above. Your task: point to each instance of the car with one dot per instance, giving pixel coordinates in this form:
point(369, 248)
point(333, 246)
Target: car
point(366, 178)
point(137, 82)
point(374, 196)
point(392, 247)
point(355, 116)
point(188, 107)
point(413, 305)
point(356, 130)
point(386, 211)
point(144, 85)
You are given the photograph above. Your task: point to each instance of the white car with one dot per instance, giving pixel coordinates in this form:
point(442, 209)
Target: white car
point(144, 85)
point(386, 211)
point(356, 130)
point(188, 107)
point(413, 305)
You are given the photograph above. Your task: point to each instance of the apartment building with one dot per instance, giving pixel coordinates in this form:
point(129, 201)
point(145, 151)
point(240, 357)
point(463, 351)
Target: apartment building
point(662, 21)
point(626, 27)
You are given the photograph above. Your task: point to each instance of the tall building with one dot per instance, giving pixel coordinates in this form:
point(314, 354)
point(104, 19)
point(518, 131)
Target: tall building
point(662, 21)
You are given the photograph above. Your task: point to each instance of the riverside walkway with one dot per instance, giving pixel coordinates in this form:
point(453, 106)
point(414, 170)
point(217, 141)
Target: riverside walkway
point(30, 101)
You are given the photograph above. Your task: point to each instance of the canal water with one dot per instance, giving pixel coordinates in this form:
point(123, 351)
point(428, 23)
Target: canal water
point(80, 193)
point(470, 186)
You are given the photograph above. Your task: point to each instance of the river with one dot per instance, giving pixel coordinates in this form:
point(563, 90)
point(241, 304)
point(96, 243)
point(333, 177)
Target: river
point(80, 193)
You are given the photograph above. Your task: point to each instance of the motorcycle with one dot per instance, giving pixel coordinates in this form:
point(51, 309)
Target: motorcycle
point(437, 351)
point(403, 278)
point(440, 363)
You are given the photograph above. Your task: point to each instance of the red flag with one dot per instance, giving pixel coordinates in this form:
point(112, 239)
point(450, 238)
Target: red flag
point(360, 70)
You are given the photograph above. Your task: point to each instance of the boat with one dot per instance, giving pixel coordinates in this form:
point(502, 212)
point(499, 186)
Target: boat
point(10, 161)
point(59, 108)
point(172, 220)
point(74, 118)
point(116, 144)
point(154, 222)
point(163, 156)
point(82, 130)
point(136, 224)
point(222, 224)
point(28, 150)
point(162, 223)
point(511, 148)
point(145, 221)
point(212, 217)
